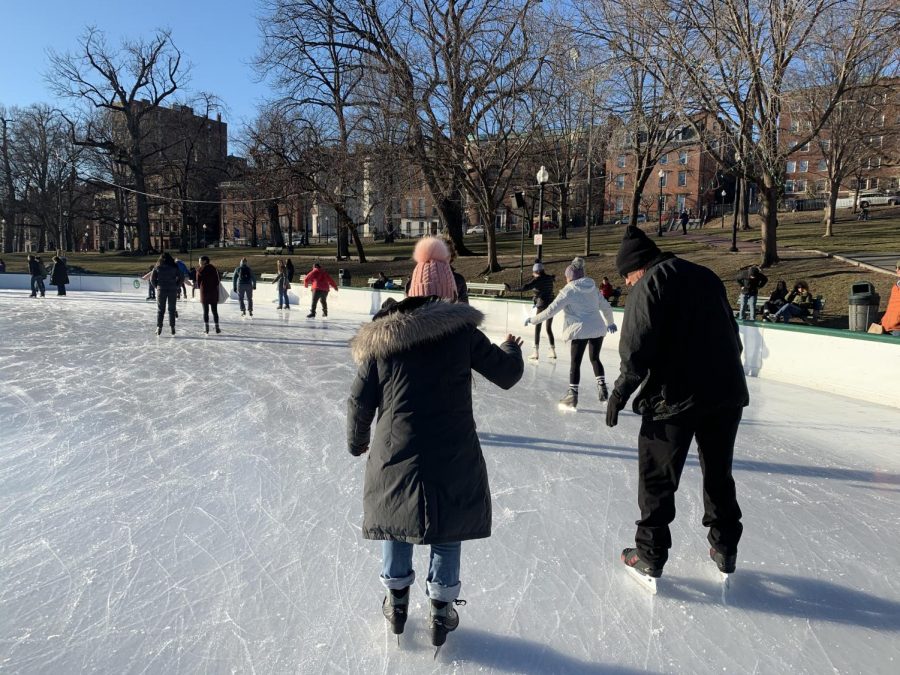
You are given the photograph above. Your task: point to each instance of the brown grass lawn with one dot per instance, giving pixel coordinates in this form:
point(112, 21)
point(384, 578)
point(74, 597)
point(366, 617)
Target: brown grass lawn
point(799, 234)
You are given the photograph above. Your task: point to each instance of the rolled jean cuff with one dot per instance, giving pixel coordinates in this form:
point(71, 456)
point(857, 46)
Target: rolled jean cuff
point(442, 593)
point(399, 583)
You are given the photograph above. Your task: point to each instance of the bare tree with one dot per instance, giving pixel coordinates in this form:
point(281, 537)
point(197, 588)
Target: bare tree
point(737, 60)
point(10, 202)
point(129, 83)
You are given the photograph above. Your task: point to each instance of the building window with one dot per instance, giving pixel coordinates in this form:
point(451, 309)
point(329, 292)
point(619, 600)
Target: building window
point(795, 126)
point(792, 167)
point(804, 166)
point(682, 178)
point(874, 162)
point(804, 147)
point(409, 208)
point(620, 181)
point(421, 208)
point(682, 157)
point(823, 165)
point(664, 159)
point(664, 181)
point(788, 186)
point(620, 161)
point(800, 186)
point(620, 204)
point(872, 184)
point(680, 202)
point(820, 186)
point(825, 144)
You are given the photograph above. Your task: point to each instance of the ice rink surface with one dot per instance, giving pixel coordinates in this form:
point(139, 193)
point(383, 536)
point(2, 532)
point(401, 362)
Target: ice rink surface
point(187, 505)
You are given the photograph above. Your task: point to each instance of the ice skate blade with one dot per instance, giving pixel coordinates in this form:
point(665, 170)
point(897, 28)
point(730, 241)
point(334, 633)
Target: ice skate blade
point(645, 581)
point(567, 408)
point(725, 578)
point(436, 651)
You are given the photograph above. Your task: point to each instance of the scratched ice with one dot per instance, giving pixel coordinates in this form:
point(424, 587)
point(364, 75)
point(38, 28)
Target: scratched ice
point(187, 505)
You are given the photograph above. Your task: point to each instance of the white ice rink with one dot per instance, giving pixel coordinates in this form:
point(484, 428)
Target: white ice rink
point(188, 505)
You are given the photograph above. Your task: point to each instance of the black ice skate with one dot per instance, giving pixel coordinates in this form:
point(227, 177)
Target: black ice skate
point(311, 315)
point(604, 393)
point(726, 564)
point(442, 619)
point(158, 331)
point(218, 330)
point(644, 573)
point(207, 329)
point(569, 402)
point(394, 608)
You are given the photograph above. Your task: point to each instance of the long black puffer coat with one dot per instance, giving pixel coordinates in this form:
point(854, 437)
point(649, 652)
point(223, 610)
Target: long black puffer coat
point(426, 481)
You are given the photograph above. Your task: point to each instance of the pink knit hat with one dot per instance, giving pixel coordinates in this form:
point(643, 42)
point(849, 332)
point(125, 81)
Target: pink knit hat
point(432, 274)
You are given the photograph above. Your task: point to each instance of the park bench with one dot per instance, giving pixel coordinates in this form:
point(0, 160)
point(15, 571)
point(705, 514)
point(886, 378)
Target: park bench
point(813, 318)
point(274, 250)
point(486, 289)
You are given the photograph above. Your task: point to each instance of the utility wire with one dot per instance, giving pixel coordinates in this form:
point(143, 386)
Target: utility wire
point(193, 201)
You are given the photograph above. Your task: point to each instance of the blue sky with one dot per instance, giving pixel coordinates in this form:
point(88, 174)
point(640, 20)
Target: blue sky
point(218, 38)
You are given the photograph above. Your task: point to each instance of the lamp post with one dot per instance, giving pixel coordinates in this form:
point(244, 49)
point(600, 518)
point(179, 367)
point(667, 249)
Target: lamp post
point(659, 203)
point(723, 208)
point(204, 234)
point(738, 191)
point(542, 177)
point(87, 233)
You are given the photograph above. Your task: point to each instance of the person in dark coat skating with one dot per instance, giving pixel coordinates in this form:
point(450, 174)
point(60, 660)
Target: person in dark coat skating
point(680, 339)
point(244, 283)
point(426, 480)
point(208, 282)
point(541, 285)
point(37, 272)
point(166, 278)
point(59, 275)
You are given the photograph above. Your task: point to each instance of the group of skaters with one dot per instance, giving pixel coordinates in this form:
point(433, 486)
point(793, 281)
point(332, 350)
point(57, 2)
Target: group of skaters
point(168, 280)
point(58, 273)
point(426, 479)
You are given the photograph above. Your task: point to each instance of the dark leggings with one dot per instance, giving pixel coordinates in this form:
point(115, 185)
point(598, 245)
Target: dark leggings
point(215, 312)
point(537, 332)
point(578, 347)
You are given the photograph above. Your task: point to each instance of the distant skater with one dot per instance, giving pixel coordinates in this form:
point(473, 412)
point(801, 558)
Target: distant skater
point(320, 281)
point(541, 285)
point(426, 480)
point(208, 284)
point(244, 283)
point(686, 357)
point(582, 305)
point(185, 276)
point(59, 275)
point(37, 272)
point(151, 290)
point(167, 280)
point(283, 285)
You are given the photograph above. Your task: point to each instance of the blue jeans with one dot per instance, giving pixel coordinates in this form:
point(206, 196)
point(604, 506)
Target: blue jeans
point(788, 312)
point(443, 569)
point(747, 307)
point(283, 297)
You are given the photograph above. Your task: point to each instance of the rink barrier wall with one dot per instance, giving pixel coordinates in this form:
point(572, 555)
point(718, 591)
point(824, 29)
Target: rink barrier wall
point(858, 365)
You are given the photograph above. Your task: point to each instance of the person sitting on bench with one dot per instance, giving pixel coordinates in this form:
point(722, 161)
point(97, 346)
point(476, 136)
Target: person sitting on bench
point(799, 302)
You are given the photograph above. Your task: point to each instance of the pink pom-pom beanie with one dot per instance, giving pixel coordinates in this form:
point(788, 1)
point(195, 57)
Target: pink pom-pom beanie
point(432, 274)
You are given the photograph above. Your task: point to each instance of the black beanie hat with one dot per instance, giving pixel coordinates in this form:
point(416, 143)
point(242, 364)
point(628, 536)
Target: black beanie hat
point(636, 251)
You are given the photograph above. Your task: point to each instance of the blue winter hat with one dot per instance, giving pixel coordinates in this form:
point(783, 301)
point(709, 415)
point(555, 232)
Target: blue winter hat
point(537, 268)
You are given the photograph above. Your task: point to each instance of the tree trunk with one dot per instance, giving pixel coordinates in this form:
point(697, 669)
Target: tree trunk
point(493, 265)
point(451, 212)
point(143, 210)
point(274, 222)
point(357, 241)
point(769, 213)
point(254, 238)
point(831, 211)
point(563, 211)
point(635, 207)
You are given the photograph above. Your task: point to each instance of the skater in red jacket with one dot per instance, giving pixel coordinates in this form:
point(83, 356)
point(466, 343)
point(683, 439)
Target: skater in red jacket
point(321, 281)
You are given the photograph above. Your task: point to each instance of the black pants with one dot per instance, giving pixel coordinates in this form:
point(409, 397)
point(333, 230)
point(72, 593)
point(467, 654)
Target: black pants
point(163, 297)
point(537, 332)
point(662, 451)
point(215, 312)
point(577, 354)
point(245, 290)
point(323, 296)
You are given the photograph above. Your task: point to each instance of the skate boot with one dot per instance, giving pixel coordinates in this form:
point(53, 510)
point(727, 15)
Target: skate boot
point(243, 313)
point(552, 352)
point(604, 392)
point(159, 330)
point(725, 563)
point(442, 619)
point(394, 608)
point(570, 400)
point(207, 328)
point(311, 315)
point(633, 560)
point(218, 330)
point(173, 330)
point(534, 355)
point(325, 313)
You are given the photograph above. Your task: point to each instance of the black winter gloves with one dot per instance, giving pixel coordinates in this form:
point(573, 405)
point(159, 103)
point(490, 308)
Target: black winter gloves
point(356, 452)
point(613, 406)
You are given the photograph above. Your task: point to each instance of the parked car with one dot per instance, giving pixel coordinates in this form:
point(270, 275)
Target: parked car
point(869, 198)
point(475, 229)
point(624, 220)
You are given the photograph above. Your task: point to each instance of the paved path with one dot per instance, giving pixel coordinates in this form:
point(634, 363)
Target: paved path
point(883, 261)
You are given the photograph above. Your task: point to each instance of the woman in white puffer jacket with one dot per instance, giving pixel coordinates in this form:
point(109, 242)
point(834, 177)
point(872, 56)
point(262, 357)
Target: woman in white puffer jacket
point(587, 317)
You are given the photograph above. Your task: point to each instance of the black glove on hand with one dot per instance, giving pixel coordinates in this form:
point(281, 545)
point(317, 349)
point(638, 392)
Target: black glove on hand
point(613, 406)
point(356, 452)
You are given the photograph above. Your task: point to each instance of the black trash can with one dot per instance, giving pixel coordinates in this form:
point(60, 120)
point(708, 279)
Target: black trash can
point(863, 308)
point(344, 277)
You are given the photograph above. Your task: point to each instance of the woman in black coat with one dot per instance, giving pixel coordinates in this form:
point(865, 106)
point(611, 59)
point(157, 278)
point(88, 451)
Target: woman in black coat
point(59, 276)
point(207, 280)
point(426, 480)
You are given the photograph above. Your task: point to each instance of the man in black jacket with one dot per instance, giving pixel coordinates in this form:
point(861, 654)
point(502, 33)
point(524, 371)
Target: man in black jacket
point(750, 280)
point(679, 338)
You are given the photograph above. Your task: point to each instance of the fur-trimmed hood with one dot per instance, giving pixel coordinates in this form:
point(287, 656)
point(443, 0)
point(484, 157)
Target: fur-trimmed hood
point(409, 323)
